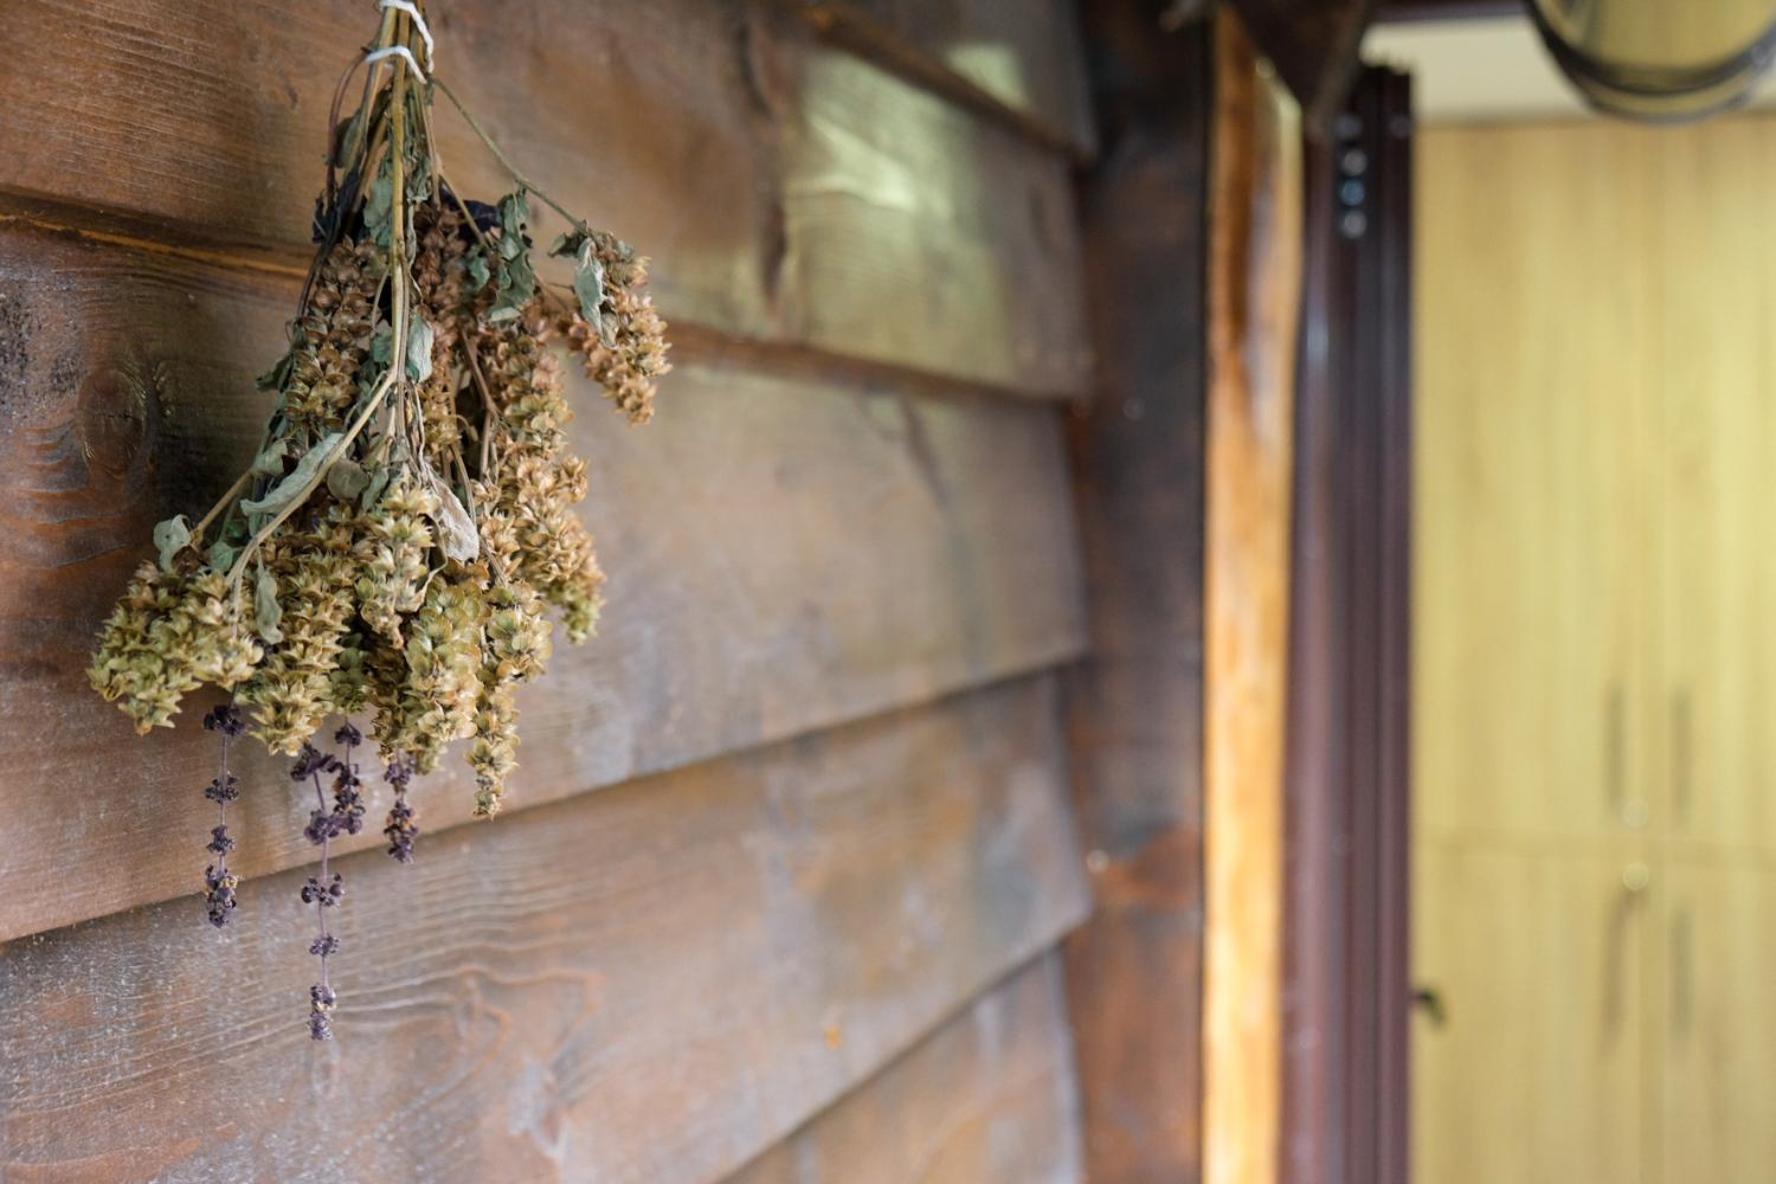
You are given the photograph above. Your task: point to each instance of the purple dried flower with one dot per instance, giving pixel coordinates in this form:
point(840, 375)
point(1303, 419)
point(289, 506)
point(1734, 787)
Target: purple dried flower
point(324, 892)
point(400, 830)
point(327, 889)
point(219, 885)
point(222, 789)
point(219, 882)
point(322, 825)
point(226, 719)
point(348, 735)
point(311, 762)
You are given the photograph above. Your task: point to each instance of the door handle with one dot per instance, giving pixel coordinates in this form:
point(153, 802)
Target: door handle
point(1681, 753)
point(1429, 1000)
point(1615, 759)
point(1683, 997)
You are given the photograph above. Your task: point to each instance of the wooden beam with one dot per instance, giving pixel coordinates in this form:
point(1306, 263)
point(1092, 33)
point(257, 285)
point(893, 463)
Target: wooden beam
point(1135, 705)
point(785, 552)
point(649, 985)
point(1254, 292)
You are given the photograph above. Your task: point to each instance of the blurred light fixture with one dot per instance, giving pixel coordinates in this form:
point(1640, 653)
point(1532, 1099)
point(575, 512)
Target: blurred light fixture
point(1659, 59)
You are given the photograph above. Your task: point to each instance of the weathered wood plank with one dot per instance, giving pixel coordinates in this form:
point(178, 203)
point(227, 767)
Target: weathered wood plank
point(786, 189)
point(652, 984)
point(1135, 706)
point(987, 1099)
point(783, 554)
point(1255, 243)
point(1022, 62)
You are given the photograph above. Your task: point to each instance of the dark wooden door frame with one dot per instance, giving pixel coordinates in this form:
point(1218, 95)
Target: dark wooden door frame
point(1347, 994)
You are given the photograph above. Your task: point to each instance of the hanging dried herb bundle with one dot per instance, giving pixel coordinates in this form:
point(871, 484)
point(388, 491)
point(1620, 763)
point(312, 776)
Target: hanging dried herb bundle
point(408, 522)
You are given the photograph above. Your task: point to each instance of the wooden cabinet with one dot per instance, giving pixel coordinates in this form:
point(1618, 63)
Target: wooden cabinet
point(1711, 1027)
point(1534, 1071)
point(1595, 699)
point(1527, 543)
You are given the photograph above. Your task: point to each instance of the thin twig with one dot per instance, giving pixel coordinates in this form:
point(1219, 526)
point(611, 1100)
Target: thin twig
point(512, 169)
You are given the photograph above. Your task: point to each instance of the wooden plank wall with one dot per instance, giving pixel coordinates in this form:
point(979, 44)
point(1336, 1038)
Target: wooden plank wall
point(816, 895)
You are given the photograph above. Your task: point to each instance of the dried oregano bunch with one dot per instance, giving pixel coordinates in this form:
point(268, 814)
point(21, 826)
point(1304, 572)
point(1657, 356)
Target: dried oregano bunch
point(408, 520)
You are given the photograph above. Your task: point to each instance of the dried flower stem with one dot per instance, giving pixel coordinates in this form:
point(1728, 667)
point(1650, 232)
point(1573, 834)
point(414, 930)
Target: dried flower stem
point(506, 161)
point(219, 882)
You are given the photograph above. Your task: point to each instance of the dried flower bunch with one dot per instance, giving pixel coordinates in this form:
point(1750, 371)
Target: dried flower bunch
point(408, 521)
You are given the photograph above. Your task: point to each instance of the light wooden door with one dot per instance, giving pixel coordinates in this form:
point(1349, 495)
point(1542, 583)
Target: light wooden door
point(1715, 291)
point(1530, 505)
point(1532, 699)
point(1595, 707)
point(1714, 1039)
point(1711, 1031)
point(1534, 1075)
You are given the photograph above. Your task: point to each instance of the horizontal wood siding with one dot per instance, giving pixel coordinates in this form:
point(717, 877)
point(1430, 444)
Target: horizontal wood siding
point(787, 190)
point(988, 1099)
point(649, 984)
point(782, 554)
point(832, 849)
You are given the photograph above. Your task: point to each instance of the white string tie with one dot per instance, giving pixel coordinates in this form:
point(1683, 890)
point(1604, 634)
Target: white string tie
point(397, 51)
point(419, 22)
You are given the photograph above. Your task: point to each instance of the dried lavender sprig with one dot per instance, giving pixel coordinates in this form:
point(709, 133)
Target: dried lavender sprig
point(400, 830)
point(219, 882)
point(323, 891)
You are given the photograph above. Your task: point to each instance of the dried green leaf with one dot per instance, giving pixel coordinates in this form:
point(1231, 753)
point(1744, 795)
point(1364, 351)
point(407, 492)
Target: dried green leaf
point(222, 554)
point(379, 208)
point(170, 537)
point(266, 610)
point(270, 461)
point(517, 279)
point(294, 486)
point(275, 378)
point(589, 287)
point(347, 479)
point(457, 536)
point(480, 274)
point(379, 483)
point(419, 349)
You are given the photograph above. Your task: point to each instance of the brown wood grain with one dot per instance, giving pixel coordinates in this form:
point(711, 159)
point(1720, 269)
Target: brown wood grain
point(651, 984)
point(786, 189)
point(987, 1099)
point(1017, 62)
point(1134, 972)
point(1255, 270)
point(784, 553)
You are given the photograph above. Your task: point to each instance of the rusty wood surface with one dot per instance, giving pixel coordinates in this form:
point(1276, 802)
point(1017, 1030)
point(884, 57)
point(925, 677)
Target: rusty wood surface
point(1255, 274)
point(987, 1099)
point(784, 553)
point(787, 189)
point(651, 984)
